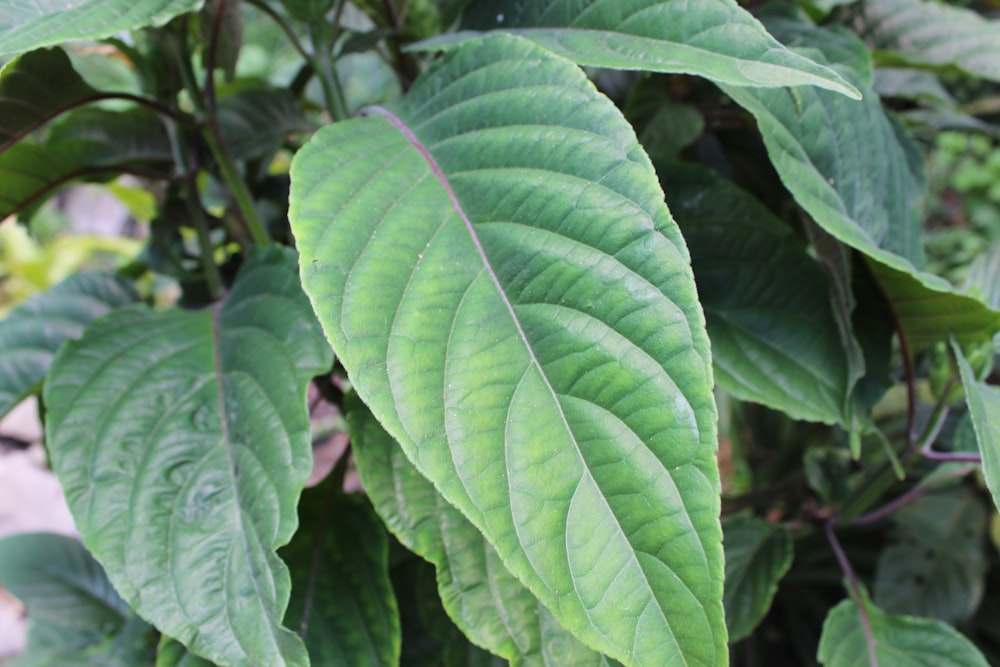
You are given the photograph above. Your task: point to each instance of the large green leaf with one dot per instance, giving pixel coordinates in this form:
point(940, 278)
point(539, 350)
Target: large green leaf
point(984, 407)
point(758, 554)
point(342, 600)
point(88, 143)
point(35, 88)
point(75, 616)
point(851, 168)
point(32, 333)
point(483, 599)
point(255, 122)
point(25, 26)
point(182, 441)
point(493, 262)
point(924, 32)
point(774, 339)
point(899, 641)
point(715, 39)
point(935, 563)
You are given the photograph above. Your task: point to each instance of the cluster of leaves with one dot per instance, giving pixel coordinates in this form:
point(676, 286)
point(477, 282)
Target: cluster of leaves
point(624, 303)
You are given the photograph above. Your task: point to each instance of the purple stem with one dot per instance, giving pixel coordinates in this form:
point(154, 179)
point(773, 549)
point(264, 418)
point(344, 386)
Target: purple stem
point(852, 580)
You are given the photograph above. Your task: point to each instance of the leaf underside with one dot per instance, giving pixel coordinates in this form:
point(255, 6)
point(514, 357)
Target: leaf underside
point(182, 441)
point(492, 261)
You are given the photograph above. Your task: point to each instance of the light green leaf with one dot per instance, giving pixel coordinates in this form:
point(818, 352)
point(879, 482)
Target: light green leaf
point(35, 88)
point(758, 554)
point(935, 563)
point(492, 608)
point(774, 340)
point(342, 600)
point(182, 441)
point(924, 32)
point(25, 26)
point(863, 186)
point(899, 641)
point(493, 262)
point(715, 39)
point(88, 143)
point(75, 616)
point(984, 406)
point(32, 333)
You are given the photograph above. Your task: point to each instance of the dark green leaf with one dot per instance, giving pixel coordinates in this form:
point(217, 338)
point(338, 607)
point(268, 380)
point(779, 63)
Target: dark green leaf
point(483, 599)
point(924, 32)
point(35, 88)
point(758, 554)
point(256, 122)
point(308, 10)
point(171, 653)
point(664, 125)
point(76, 617)
point(32, 333)
point(509, 294)
point(899, 641)
point(984, 406)
point(25, 26)
point(182, 441)
point(719, 41)
point(342, 601)
point(774, 340)
point(87, 143)
point(935, 563)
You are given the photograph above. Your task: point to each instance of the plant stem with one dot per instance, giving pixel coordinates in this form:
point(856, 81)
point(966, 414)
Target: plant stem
point(852, 581)
point(333, 93)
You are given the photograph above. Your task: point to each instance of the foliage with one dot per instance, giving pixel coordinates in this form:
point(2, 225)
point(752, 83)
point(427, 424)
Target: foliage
point(636, 312)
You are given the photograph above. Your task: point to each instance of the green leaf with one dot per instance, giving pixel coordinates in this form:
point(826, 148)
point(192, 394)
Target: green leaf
point(718, 40)
point(935, 563)
point(983, 277)
point(984, 406)
point(491, 607)
point(182, 441)
point(665, 126)
point(171, 653)
point(758, 554)
point(256, 122)
point(32, 333)
point(862, 186)
point(87, 143)
point(774, 340)
point(922, 32)
point(307, 10)
point(342, 600)
point(510, 296)
point(899, 641)
point(35, 88)
point(25, 26)
point(75, 616)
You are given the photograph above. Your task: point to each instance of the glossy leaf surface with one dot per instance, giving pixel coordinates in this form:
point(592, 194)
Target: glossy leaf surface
point(75, 616)
point(493, 262)
point(342, 601)
point(31, 334)
point(715, 39)
point(486, 601)
point(774, 340)
point(900, 641)
point(852, 169)
point(25, 26)
point(182, 441)
point(758, 554)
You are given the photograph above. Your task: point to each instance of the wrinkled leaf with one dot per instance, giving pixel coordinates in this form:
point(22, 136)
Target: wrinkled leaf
point(510, 296)
point(182, 441)
point(935, 563)
point(32, 333)
point(75, 616)
point(342, 601)
point(25, 26)
point(715, 39)
point(758, 554)
point(850, 167)
point(924, 32)
point(900, 641)
point(86, 143)
point(35, 88)
point(984, 406)
point(491, 607)
point(774, 340)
